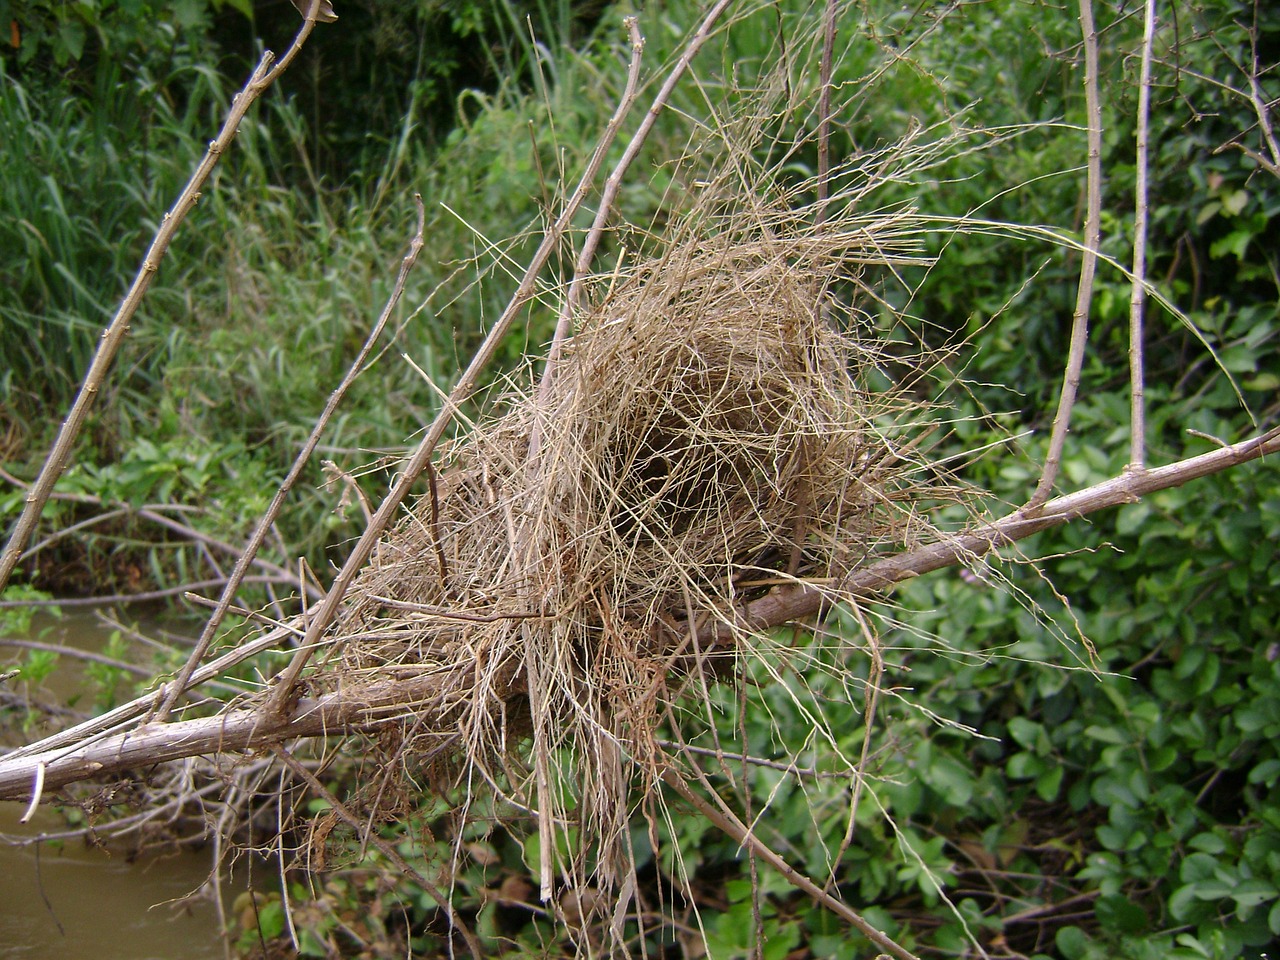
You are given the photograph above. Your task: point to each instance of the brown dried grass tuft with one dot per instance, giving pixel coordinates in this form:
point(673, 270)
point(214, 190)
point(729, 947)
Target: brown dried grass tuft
point(719, 427)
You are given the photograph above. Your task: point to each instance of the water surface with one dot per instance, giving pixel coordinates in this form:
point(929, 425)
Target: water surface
point(68, 901)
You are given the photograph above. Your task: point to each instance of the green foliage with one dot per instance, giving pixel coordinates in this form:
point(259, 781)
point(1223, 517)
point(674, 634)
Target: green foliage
point(69, 33)
point(33, 669)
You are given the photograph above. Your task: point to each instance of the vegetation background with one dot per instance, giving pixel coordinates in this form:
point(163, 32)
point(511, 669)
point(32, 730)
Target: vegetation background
point(1131, 812)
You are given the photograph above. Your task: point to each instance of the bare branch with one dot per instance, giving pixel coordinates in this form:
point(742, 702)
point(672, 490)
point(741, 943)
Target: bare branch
point(1088, 264)
point(113, 337)
point(1138, 297)
point(824, 111)
point(182, 681)
point(85, 751)
point(564, 323)
point(726, 820)
point(804, 601)
point(465, 386)
point(153, 513)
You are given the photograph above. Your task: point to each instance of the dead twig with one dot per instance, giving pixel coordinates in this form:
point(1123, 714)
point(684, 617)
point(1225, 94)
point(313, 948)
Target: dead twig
point(112, 743)
point(1088, 265)
point(387, 850)
point(325, 612)
point(727, 821)
point(1138, 296)
point(113, 337)
point(172, 691)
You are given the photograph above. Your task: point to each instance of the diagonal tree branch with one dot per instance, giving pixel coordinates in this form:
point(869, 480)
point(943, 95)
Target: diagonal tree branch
point(278, 707)
point(64, 759)
point(174, 690)
point(113, 337)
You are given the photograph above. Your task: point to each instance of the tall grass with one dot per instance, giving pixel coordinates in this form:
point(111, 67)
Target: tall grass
point(271, 284)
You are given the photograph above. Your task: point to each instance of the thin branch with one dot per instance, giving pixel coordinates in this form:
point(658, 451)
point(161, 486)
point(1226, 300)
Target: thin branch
point(173, 691)
point(1088, 264)
point(613, 182)
point(870, 699)
point(154, 513)
point(797, 602)
point(1138, 296)
point(113, 337)
point(77, 654)
point(1260, 104)
point(113, 599)
point(123, 717)
point(564, 323)
point(727, 821)
point(824, 112)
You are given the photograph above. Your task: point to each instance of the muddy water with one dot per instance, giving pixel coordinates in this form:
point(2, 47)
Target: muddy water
point(71, 902)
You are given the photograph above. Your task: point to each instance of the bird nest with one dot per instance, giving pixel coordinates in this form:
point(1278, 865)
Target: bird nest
point(716, 430)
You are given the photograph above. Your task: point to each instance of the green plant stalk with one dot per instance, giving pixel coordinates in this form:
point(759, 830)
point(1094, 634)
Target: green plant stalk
point(113, 337)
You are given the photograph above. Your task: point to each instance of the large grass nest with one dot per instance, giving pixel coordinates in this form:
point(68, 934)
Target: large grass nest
point(719, 427)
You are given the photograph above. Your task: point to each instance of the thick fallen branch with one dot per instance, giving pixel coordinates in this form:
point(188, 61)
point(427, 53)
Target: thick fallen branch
point(59, 762)
point(235, 731)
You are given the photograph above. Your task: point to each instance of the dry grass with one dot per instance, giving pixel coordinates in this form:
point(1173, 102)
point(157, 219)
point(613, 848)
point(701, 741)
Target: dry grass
point(718, 428)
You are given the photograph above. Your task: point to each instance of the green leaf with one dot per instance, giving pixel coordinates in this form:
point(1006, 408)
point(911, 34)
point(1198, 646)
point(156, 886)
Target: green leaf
point(1028, 734)
point(1193, 943)
point(1208, 842)
point(1216, 889)
point(1120, 915)
point(1024, 766)
point(1266, 382)
point(1252, 893)
point(1266, 772)
point(1130, 518)
point(1072, 943)
point(271, 920)
point(1106, 734)
point(1196, 867)
point(1049, 783)
point(1236, 243)
point(1234, 203)
point(952, 779)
